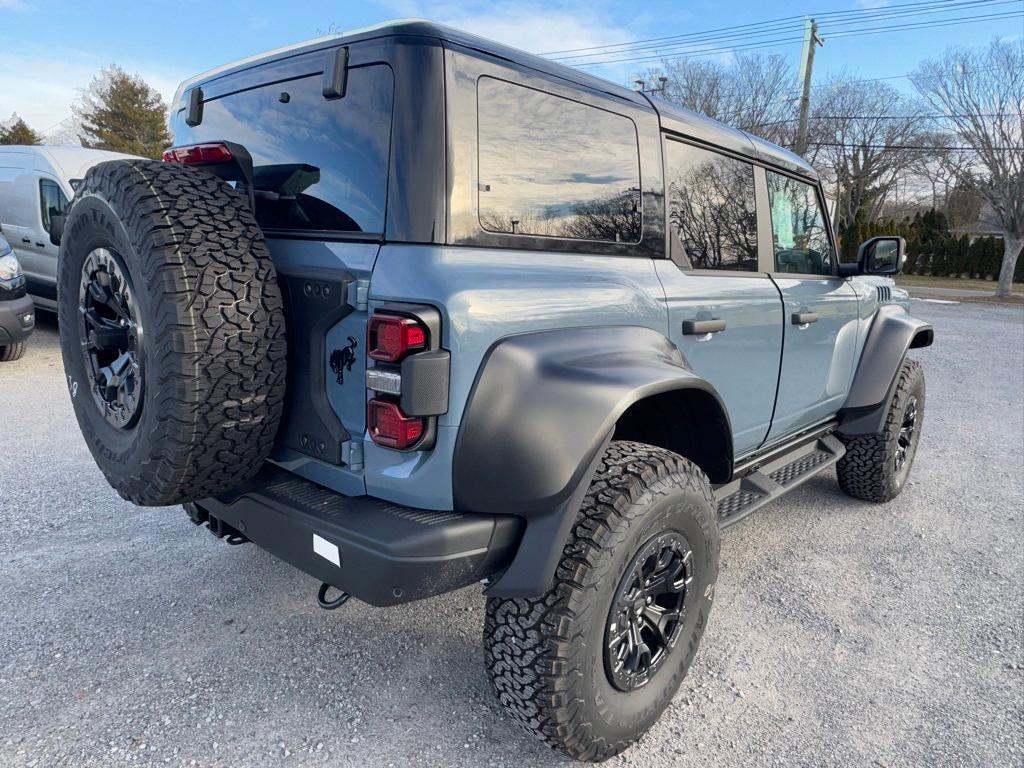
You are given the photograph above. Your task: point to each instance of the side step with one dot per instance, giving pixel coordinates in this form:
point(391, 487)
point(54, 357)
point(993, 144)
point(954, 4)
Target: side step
point(778, 475)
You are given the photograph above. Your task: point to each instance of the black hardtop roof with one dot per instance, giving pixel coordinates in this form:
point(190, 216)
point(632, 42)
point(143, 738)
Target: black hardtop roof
point(672, 116)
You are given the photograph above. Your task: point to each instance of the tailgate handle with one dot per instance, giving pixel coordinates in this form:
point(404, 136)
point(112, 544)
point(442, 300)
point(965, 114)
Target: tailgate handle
point(700, 327)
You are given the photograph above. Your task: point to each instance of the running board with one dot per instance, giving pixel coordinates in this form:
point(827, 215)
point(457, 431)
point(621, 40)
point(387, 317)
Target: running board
point(779, 475)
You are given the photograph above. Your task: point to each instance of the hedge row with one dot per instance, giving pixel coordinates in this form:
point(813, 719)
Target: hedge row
point(933, 250)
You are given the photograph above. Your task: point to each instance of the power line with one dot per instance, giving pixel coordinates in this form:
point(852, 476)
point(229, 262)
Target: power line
point(768, 29)
point(877, 117)
point(930, 148)
point(762, 26)
point(776, 42)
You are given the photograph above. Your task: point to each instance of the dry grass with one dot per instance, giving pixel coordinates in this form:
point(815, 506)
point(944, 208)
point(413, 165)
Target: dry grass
point(969, 284)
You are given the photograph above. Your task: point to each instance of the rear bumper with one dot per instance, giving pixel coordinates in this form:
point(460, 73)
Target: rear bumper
point(17, 319)
point(380, 553)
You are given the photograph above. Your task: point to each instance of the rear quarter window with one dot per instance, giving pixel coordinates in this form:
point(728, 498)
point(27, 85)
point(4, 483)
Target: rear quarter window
point(555, 167)
point(320, 165)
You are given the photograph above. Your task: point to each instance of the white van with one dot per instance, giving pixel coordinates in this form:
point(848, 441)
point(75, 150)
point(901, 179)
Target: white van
point(36, 183)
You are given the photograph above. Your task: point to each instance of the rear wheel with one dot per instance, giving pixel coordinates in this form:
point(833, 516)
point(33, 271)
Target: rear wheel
point(172, 331)
point(12, 352)
point(591, 665)
point(876, 467)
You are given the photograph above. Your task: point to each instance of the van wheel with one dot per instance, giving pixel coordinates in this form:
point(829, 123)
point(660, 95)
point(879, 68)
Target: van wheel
point(591, 665)
point(875, 467)
point(12, 352)
point(172, 331)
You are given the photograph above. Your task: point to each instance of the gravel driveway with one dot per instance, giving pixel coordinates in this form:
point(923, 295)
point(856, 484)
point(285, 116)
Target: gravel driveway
point(843, 633)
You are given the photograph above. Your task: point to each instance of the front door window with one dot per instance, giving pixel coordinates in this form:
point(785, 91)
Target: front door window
point(799, 234)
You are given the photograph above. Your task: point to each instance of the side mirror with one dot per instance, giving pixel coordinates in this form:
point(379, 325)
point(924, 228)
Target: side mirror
point(57, 228)
point(882, 255)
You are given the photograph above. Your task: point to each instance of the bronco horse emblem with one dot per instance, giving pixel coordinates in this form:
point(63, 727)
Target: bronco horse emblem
point(343, 359)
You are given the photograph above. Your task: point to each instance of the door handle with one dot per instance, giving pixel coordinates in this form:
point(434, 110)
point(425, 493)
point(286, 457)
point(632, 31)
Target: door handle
point(804, 318)
point(26, 240)
point(40, 244)
point(700, 327)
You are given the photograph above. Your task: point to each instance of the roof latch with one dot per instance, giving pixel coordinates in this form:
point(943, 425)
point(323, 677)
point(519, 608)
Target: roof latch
point(195, 107)
point(336, 73)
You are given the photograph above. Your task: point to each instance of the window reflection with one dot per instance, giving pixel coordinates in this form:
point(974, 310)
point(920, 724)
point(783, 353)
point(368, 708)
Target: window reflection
point(711, 207)
point(554, 167)
point(799, 236)
point(318, 164)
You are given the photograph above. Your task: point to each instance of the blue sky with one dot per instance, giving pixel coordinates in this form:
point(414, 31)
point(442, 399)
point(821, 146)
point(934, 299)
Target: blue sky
point(52, 48)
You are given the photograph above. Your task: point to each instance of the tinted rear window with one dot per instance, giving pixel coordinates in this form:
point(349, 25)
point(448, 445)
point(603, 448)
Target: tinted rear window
point(320, 165)
point(711, 207)
point(555, 167)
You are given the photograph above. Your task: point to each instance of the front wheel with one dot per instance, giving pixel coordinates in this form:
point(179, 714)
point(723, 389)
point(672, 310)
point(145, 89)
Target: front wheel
point(12, 352)
point(591, 665)
point(875, 467)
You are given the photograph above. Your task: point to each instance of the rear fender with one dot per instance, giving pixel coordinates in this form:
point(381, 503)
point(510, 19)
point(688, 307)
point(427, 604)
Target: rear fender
point(542, 410)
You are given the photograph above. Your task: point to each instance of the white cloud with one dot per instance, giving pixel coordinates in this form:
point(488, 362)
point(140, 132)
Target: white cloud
point(42, 87)
point(531, 26)
point(15, 5)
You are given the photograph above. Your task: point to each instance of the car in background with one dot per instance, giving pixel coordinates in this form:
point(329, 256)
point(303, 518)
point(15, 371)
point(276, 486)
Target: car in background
point(36, 183)
point(17, 313)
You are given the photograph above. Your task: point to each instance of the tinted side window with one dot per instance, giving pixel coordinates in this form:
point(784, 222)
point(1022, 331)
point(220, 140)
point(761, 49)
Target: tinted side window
point(799, 235)
point(51, 201)
point(319, 164)
point(711, 208)
point(554, 167)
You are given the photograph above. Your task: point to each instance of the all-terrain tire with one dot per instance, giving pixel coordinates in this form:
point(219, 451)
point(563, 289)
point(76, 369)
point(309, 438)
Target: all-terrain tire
point(869, 468)
point(210, 328)
point(546, 656)
point(12, 352)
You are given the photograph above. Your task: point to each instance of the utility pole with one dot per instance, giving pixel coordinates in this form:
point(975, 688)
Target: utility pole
point(811, 39)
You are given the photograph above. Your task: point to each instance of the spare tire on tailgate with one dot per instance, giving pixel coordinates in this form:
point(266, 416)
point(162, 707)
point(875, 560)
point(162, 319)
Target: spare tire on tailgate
point(172, 330)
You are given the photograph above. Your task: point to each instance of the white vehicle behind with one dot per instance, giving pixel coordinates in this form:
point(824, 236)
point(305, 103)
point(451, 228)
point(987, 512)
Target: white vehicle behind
point(36, 183)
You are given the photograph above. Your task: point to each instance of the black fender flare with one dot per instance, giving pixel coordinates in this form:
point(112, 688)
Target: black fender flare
point(539, 416)
point(892, 333)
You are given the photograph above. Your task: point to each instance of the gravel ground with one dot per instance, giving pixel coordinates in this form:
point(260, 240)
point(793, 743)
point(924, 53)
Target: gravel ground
point(843, 633)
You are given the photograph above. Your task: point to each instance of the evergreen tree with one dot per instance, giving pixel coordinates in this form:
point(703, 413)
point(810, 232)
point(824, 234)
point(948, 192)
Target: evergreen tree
point(18, 132)
point(120, 112)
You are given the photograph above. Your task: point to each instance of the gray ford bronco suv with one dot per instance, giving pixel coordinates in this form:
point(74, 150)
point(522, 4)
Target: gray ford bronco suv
point(412, 310)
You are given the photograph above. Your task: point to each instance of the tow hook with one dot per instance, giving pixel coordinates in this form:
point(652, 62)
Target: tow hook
point(330, 605)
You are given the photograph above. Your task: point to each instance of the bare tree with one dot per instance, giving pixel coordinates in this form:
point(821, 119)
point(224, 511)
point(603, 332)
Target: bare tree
point(982, 93)
point(753, 92)
point(864, 138)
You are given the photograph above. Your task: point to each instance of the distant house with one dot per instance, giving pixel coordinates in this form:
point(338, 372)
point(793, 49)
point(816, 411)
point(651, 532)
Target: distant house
point(986, 224)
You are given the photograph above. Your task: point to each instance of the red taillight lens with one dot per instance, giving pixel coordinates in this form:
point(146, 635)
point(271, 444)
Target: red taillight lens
point(392, 337)
point(389, 427)
point(198, 154)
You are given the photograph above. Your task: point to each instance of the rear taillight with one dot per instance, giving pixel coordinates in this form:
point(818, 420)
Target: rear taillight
point(390, 427)
point(199, 154)
point(392, 337)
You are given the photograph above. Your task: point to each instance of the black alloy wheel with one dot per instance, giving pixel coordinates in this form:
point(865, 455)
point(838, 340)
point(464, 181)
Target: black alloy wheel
point(905, 439)
point(648, 610)
point(111, 338)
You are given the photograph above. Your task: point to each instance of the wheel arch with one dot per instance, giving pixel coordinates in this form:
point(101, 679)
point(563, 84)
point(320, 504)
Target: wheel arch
point(542, 410)
point(893, 332)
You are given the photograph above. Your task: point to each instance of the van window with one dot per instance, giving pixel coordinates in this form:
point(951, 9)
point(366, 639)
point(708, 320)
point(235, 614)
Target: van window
point(52, 201)
point(554, 167)
point(711, 208)
point(799, 236)
point(319, 165)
